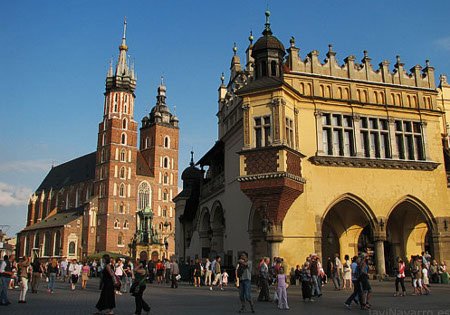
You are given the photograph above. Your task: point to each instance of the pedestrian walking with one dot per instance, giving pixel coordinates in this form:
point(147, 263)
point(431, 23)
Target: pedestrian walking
point(175, 273)
point(264, 293)
point(37, 271)
point(138, 286)
point(24, 276)
point(107, 300)
point(167, 270)
point(197, 273)
point(6, 273)
point(217, 274)
point(85, 271)
point(425, 280)
point(245, 277)
point(306, 279)
point(400, 277)
point(314, 268)
point(119, 272)
point(208, 272)
point(52, 271)
point(75, 271)
point(64, 267)
point(356, 296)
point(282, 289)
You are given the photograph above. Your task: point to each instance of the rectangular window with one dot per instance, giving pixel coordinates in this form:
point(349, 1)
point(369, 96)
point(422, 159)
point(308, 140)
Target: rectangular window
point(290, 132)
point(337, 135)
point(375, 137)
point(263, 132)
point(409, 140)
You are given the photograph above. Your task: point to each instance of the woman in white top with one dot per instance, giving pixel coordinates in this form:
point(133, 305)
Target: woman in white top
point(347, 274)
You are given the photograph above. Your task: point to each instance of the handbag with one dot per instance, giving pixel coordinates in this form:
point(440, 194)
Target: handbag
point(178, 277)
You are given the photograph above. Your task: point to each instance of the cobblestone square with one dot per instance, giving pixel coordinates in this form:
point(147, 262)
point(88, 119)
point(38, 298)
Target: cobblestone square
point(189, 300)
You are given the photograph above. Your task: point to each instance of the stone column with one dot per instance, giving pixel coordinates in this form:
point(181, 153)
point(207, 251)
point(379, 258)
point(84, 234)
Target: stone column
point(274, 237)
point(379, 254)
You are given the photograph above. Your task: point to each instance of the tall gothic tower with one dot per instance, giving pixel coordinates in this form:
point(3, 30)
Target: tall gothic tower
point(159, 147)
point(115, 179)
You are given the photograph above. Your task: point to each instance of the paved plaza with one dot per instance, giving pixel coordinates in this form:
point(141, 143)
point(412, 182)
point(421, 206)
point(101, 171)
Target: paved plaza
point(189, 300)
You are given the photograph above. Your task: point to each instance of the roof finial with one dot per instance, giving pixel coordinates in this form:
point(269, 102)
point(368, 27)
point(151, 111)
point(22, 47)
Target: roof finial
point(235, 48)
point(162, 80)
point(267, 30)
point(123, 45)
point(192, 158)
point(124, 28)
point(250, 38)
point(222, 78)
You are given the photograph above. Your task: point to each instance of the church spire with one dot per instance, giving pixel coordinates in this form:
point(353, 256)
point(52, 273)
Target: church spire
point(122, 66)
point(124, 76)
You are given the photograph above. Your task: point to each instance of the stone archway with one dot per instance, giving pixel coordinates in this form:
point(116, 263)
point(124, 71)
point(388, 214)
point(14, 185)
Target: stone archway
point(218, 229)
point(409, 229)
point(205, 232)
point(259, 244)
point(347, 228)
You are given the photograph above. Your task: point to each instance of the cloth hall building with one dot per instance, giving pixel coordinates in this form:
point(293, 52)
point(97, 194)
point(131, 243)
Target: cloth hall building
point(118, 198)
point(321, 157)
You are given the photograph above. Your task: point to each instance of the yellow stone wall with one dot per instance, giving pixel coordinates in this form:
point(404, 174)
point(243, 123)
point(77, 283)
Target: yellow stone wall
point(379, 190)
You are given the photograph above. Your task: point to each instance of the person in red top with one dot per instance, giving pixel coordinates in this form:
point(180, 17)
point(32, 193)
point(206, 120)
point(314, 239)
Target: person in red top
point(159, 272)
point(400, 277)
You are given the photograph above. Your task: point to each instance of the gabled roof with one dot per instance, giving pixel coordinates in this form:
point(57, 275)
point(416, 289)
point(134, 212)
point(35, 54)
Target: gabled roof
point(59, 219)
point(75, 171)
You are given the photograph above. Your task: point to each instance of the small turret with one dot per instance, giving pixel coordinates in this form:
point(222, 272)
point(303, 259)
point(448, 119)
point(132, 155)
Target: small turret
point(268, 53)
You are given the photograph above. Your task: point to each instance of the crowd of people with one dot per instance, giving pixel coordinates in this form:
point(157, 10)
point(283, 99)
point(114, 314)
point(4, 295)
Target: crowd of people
point(119, 276)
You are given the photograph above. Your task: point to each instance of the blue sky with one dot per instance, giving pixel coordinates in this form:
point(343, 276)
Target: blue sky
point(55, 56)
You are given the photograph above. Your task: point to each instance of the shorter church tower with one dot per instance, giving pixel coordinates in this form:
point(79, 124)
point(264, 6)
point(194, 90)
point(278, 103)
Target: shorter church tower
point(159, 147)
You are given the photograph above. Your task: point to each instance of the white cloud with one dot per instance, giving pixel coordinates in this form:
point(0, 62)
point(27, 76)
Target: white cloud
point(443, 43)
point(13, 195)
point(25, 166)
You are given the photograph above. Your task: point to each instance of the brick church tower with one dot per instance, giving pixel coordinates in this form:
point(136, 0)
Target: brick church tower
point(159, 147)
point(115, 174)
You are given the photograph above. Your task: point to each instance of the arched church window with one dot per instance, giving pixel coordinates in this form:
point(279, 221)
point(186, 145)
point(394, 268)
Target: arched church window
point(72, 248)
point(167, 142)
point(122, 190)
point(166, 178)
point(126, 224)
point(124, 138)
point(144, 193)
point(124, 123)
point(166, 162)
point(123, 172)
point(122, 156)
point(116, 224)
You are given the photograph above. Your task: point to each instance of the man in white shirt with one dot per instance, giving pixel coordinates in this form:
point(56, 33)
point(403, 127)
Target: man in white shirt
point(208, 272)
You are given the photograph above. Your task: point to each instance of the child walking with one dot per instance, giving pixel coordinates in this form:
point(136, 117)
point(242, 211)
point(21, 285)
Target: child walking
point(281, 290)
point(225, 278)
